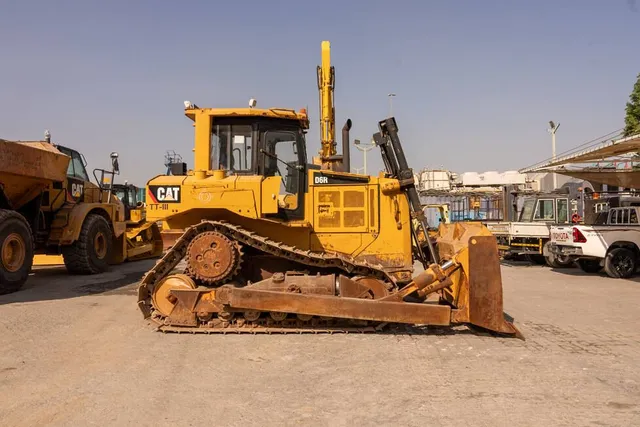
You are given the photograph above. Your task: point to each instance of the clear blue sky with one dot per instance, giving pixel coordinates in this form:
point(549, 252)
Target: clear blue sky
point(476, 81)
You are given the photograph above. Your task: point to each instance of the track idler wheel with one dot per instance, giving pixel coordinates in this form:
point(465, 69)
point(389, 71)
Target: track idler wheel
point(213, 258)
point(163, 300)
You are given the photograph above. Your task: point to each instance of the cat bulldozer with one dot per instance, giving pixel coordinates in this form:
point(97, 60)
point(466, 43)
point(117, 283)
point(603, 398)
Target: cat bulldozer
point(51, 213)
point(272, 243)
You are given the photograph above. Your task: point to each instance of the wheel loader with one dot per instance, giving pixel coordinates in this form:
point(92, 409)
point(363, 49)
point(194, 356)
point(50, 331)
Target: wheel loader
point(273, 243)
point(50, 212)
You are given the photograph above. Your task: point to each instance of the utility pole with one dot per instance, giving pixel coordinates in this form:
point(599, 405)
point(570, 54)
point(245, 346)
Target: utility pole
point(552, 130)
point(364, 149)
point(391, 95)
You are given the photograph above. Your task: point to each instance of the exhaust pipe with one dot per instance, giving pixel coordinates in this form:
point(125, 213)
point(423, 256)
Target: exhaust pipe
point(346, 159)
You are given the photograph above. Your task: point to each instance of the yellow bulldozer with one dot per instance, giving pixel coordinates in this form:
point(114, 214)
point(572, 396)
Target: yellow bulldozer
point(49, 209)
point(274, 243)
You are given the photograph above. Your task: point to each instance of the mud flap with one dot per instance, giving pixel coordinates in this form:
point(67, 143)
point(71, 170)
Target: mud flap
point(485, 286)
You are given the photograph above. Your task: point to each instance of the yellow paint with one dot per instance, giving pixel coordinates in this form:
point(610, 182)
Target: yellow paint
point(326, 81)
point(355, 219)
point(48, 260)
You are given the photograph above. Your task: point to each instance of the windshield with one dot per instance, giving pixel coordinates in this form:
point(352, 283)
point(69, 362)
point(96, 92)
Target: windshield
point(527, 211)
point(544, 210)
point(127, 197)
point(231, 147)
point(76, 165)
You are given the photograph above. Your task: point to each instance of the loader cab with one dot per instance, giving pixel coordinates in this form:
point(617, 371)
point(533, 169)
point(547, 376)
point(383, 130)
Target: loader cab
point(129, 195)
point(252, 142)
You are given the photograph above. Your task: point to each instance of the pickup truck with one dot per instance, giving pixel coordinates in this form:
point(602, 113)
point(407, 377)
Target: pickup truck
point(529, 236)
point(611, 243)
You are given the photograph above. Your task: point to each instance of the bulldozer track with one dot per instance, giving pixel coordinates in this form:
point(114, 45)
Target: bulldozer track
point(324, 260)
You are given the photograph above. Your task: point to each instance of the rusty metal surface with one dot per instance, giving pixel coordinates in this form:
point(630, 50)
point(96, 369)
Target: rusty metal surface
point(212, 258)
point(362, 287)
point(485, 286)
point(338, 307)
point(298, 283)
point(420, 281)
point(250, 310)
point(169, 238)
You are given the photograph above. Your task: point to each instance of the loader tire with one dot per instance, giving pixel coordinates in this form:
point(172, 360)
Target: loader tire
point(90, 254)
point(620, 263)
point(16, 251)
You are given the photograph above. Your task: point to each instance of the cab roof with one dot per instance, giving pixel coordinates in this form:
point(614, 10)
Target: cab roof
point(272, 113)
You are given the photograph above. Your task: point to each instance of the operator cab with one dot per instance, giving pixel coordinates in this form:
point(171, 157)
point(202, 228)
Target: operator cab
point(129, 196)
point(547, 208)
point(77, 164)
point(263, 143)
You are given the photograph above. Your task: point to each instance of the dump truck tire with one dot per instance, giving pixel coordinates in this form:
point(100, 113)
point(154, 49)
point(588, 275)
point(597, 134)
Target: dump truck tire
point(90, 254)
point(16, 251)
point(620, 263)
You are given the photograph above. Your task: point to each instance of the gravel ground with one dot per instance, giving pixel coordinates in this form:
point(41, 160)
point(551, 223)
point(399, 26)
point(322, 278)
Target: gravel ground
point(76, 351)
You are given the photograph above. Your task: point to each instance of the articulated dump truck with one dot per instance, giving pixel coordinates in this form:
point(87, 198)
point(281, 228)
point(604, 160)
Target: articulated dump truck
point(273, 244)
point(49, 207)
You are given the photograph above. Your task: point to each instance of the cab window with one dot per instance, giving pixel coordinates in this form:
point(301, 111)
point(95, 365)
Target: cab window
point(562, 208)
point(231, 147)
point(76, 167)
point(282, 160)
point(527, 211)
point(544, 210)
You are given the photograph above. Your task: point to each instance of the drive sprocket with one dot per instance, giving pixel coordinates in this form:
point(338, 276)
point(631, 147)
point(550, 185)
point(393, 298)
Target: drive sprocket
point(212, 258)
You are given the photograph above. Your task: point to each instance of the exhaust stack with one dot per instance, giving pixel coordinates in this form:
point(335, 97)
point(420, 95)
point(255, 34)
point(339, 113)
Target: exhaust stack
point(346, 158)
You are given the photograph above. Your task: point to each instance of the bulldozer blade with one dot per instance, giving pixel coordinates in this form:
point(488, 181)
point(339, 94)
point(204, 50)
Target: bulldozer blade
point(485, 287)
point(148, 246)
point(169, 238)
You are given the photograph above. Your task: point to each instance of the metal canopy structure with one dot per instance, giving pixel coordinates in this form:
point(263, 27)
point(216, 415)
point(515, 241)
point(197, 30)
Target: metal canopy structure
point(608, 162)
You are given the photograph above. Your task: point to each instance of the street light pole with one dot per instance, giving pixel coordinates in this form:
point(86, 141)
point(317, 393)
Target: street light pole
point(552, 130)
point(391, 95)
point(364, 149)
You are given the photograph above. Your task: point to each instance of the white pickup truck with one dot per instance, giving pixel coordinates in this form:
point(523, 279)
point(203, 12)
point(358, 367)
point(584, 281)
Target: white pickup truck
point(611, 243)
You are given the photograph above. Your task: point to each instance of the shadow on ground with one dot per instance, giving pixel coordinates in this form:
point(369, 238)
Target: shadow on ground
point(53, 283)
point(577, 272)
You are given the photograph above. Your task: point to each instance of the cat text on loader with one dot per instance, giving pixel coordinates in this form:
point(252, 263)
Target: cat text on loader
point(273, 244)
point(49, 209)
